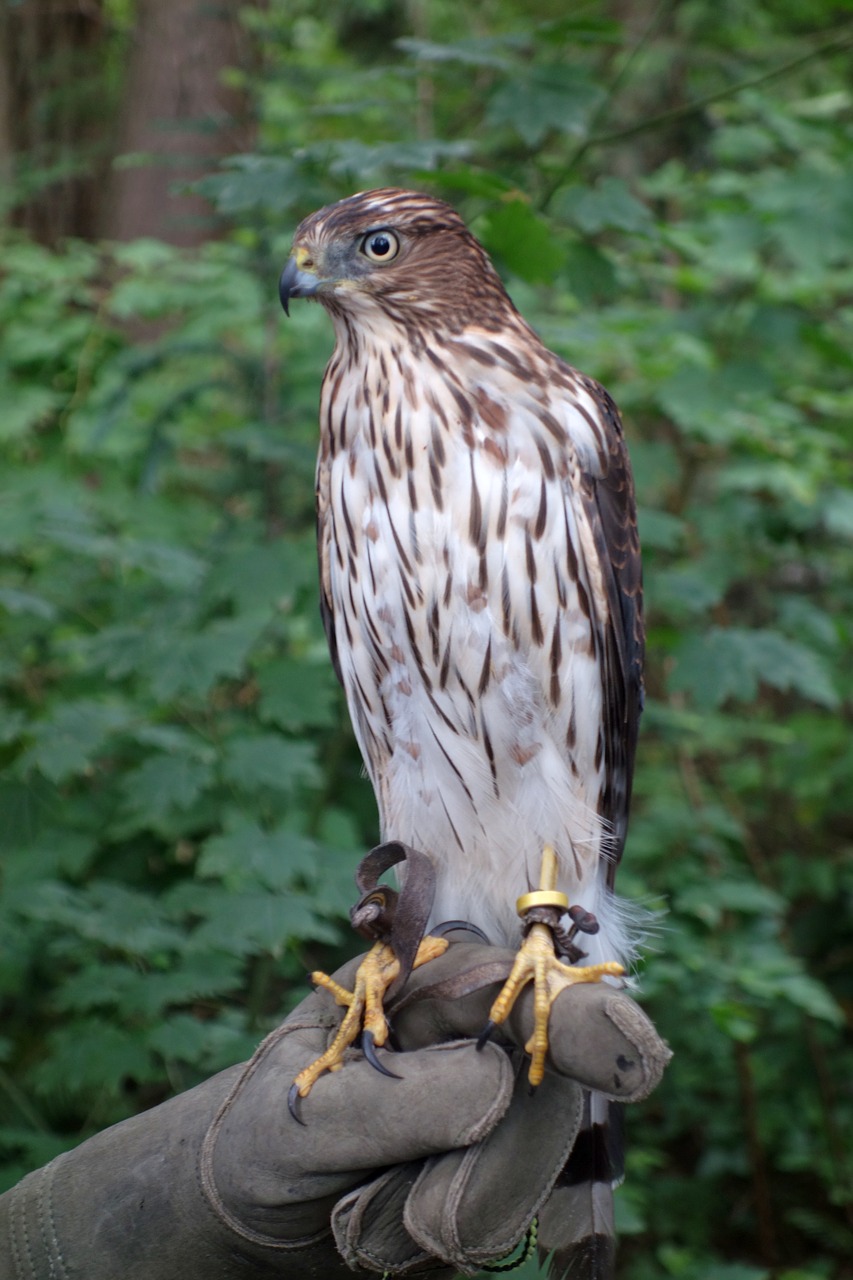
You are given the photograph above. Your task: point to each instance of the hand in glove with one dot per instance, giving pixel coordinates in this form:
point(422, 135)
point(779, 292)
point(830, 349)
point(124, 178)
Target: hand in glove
point(438, 1171)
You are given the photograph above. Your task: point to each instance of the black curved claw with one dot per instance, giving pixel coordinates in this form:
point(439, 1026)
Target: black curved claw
point(447, 926)
point(368, 1048)
point(293, 1102)
point(486, 1034)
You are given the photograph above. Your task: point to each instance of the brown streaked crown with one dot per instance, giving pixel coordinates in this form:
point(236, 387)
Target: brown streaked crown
point(441, 277)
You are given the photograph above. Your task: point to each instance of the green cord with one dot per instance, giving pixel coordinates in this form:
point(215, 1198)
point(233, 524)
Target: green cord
point(512, 1264)
point(528, 1249)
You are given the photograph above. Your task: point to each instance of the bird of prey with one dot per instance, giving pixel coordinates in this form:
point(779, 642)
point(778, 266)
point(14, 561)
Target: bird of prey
point(481, 593)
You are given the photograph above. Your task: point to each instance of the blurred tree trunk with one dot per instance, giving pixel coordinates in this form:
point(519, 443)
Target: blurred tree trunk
point(7, 141)
point(52, 107)
point(68, 106)
point(650, 30)
point(178, 119)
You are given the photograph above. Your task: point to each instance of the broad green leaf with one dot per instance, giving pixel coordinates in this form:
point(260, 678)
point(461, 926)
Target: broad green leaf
point(248, 182)
point(522, 241)
point(736, 1020)
point(163, 784)
point(68, 742)
point(267, 760)
point(145, 992)
point(122, 919)
point(710, 404)
point(47, 853)
point(541, 98)
point(258, 577)
point(354, 160)
point(179, 1036)
point(714, 897)
point(733, 662)
point(193, 663)
point(14, 601)
point(247, 855)
point(248, 922)
point(296, 695)
point(607, 205)
point(683, 592)
point(24, 408)
point(660, 529)
point(838, 513)
point(91, 1056)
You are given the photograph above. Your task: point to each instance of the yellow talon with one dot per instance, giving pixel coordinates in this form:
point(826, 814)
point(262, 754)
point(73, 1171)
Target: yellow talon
point(364, 1011)
point(537, 962)
point(342, 996)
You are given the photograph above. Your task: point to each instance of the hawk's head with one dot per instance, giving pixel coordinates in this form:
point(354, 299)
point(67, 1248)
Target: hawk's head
point(397, 254)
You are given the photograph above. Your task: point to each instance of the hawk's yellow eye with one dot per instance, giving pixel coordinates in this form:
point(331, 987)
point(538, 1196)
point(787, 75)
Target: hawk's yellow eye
point(380, 246)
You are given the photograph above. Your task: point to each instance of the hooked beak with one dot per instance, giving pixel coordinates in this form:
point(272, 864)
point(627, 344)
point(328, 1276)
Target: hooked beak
point(295, 283)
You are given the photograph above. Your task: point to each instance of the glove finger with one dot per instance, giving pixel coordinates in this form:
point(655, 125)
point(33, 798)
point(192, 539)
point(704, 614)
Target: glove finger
point(465, 1209)
point(597, 1034)
point(369, 1231)
point(461, 1207)
point(447, 1096)
point(354, 1121)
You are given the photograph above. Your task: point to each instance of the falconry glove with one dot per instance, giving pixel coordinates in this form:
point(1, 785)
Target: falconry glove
point(435, 1173)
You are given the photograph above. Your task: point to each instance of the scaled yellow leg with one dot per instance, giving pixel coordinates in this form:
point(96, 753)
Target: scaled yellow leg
point(537, 962)
point(374, 976)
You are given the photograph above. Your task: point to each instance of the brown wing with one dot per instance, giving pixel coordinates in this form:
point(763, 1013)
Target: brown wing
point(612, 513)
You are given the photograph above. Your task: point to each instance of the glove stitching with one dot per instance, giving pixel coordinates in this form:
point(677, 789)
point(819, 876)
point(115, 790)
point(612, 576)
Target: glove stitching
point(458, 1184)
point(447, 1245)
point(206, 1176)
point(360, 1202)
point(45, 1203)
point(501, 1101)
point(41, 1183)
point(18, 1218)
point(509, 1242)
point(434, 1244)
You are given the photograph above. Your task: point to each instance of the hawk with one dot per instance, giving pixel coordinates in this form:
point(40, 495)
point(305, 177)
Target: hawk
point(480, 588)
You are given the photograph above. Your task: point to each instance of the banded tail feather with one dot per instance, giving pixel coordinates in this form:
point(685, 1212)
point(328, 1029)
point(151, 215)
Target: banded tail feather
point(576, 1228)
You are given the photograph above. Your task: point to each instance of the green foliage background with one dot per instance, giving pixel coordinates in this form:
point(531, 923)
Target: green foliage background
point(671, 203)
